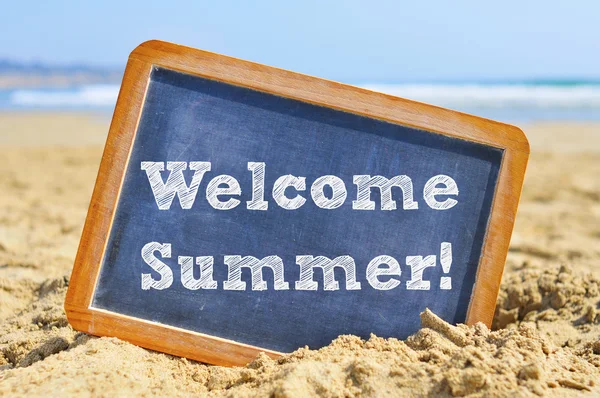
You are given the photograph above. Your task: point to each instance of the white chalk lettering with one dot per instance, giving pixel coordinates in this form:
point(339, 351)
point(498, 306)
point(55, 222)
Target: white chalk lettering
point(165, 192)
point(446, 262)
point(328, 192)
point(235, 263)
point(258, 201)
point(214, 190)
point(374, 272)
point(364, 183)
point(282, 183)
point(417, 265)
point(338, 188)
point(308, 263)
point(166, 275)
point(431, 190)
point(382, 272)
point(205, 281)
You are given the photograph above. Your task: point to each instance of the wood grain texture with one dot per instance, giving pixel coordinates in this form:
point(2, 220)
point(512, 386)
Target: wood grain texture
point(283, 83)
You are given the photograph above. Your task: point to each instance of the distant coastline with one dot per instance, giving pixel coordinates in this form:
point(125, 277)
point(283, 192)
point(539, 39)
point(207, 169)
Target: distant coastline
point(15, 75)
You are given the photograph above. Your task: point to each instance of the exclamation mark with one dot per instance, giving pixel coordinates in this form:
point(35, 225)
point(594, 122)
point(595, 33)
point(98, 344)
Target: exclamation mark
point(446, 261)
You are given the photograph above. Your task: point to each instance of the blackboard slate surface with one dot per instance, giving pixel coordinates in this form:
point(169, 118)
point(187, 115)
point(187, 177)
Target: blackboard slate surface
point(189, 118)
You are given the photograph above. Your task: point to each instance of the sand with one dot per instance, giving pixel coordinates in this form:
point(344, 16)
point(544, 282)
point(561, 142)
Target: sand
point(545, 339)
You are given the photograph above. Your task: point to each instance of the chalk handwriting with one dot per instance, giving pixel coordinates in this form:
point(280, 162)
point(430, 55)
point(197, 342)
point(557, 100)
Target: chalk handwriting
point(377, 276)
point(287, 191)
point(327, 192)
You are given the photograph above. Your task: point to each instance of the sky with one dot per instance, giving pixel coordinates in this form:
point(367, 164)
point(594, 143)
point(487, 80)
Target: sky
point(353, 41)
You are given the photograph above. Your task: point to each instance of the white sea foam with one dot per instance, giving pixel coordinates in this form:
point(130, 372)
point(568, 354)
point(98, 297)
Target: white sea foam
point(468, 97)
point(84, 96)
point(497, 96)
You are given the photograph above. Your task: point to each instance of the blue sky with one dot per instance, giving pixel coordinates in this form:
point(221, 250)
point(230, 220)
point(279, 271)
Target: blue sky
point(354, 41)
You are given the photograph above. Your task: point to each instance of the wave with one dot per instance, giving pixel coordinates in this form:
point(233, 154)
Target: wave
point(477, 96)
point(501, 101)
point(101, 95)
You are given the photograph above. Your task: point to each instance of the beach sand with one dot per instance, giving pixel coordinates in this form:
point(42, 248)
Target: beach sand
point(545, 339)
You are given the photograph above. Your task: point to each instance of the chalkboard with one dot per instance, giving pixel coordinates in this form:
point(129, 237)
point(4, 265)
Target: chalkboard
point(232, 217)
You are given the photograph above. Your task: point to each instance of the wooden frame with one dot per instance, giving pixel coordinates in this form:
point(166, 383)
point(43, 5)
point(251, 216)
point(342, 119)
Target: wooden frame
point(220, 351)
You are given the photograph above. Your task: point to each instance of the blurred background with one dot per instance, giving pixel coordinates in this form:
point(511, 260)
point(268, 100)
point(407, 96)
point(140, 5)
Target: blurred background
point(516, 61)
point(532, 63)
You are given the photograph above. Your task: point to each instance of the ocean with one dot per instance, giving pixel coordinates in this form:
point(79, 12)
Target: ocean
point(509, 101)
